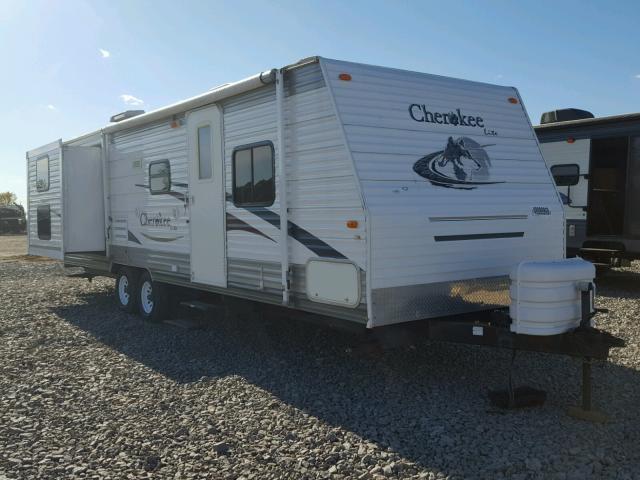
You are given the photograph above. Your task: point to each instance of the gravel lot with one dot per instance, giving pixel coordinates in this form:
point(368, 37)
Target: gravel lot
point(87, 391)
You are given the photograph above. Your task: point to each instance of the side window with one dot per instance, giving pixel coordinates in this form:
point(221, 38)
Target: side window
point(204, 152)
point(44, 222)
point(42, 174)
point(253, 175)
point(566, 175)
point(159, 177)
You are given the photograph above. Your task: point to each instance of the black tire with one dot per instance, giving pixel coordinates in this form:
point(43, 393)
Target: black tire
point(153, 299)
point(127, 290)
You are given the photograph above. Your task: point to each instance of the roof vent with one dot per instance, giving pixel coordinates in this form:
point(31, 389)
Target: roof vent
point(118, 117)
point(564, 115)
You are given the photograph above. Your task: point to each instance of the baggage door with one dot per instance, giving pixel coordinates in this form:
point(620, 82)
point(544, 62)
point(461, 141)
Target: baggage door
point(208, 263)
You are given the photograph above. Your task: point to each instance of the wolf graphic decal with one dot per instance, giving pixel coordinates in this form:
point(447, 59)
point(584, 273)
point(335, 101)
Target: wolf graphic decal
point(463, 164)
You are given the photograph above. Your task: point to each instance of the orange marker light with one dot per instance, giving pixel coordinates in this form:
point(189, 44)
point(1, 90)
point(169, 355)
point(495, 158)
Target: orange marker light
point(345, 77)
point(175, 124)
point(513, 100)
point(571, 140)
point(352, 224)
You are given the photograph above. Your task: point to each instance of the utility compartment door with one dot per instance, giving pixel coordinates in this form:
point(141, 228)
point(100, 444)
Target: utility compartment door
point(83, 195)
point(208, 261)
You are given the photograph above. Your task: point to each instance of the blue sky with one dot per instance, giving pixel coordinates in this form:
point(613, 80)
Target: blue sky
point(57, 83)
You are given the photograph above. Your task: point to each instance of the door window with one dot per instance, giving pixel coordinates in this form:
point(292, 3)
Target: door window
point(204, 152)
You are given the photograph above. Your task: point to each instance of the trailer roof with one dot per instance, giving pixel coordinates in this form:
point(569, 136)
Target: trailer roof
point(624, 124)
point(214, 95)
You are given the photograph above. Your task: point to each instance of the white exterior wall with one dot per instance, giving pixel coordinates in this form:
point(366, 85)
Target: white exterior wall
point(322, 191)
point(247, 119)
point(164, 245)
point(407, 212)
point(578, 152)
point(52, 197)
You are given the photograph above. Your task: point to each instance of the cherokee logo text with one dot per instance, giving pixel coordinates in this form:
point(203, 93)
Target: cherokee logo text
point(419, 113)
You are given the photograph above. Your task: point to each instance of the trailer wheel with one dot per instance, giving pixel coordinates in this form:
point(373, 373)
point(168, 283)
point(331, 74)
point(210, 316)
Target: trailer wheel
point(153, 297)
point(126, 290)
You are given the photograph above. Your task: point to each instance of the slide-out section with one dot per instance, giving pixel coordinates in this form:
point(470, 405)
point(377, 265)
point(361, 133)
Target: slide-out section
point(65, 200)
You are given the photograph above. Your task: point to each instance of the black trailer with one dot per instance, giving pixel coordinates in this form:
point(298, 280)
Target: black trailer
point(596, 165)
point(12, 219)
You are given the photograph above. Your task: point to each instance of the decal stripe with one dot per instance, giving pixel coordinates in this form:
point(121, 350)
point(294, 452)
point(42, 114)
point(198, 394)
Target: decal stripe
point(132, 238)
point(161, 239)
point(477, 236)
point(234, 223)
point(313, 243)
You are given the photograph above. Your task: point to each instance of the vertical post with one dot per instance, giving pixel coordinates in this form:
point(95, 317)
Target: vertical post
point(282, 188)
point(106, 197)
point(585, 411)
point(585, 304)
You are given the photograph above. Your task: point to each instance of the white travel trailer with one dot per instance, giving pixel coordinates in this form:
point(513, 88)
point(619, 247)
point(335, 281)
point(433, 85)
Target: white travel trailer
point(596, 166)
point(405, 195)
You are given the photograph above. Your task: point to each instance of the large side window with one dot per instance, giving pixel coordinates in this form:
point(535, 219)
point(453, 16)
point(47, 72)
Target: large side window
point(43, 214)
point(204, 152)
point(566, 175)
point(42, 174)
point(253, 175)
point(159, 177)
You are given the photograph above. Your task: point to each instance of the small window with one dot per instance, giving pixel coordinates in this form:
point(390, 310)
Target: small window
point(566, 175)
point(42, 174)
point(253, 175)
point(44, 222)
point(204, 152)
point(159, 177)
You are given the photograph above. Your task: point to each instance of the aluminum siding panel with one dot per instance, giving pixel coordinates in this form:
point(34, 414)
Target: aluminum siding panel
point(51, 197)
point(157, 225)
point(322, 191)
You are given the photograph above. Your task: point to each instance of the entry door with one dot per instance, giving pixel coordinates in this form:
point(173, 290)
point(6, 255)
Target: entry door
point(206, 191)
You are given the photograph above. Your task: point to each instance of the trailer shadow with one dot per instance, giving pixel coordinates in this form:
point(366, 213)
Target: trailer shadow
point(619, 283)
point(417, 400)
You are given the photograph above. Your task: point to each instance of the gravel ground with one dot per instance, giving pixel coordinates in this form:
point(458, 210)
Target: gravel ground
point(87, 391)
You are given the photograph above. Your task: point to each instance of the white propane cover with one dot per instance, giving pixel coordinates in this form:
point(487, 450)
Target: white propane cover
point(546, 297)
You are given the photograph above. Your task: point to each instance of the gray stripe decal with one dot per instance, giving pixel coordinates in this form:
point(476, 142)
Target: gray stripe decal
point(313, 243)
point(132, 238)
point(477, 236)
point(234, 223)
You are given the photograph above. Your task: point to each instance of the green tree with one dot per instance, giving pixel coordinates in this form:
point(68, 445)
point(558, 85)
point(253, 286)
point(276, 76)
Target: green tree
point(7, 198)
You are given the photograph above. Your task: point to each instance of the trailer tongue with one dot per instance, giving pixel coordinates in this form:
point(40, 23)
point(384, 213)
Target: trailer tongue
point(552, 311)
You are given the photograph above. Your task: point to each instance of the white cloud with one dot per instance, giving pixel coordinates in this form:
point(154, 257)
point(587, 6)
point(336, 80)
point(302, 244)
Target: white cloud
point(131, 100)
point(499, 76)
point(51, 107)
point(638, 76)
point(104, 53)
